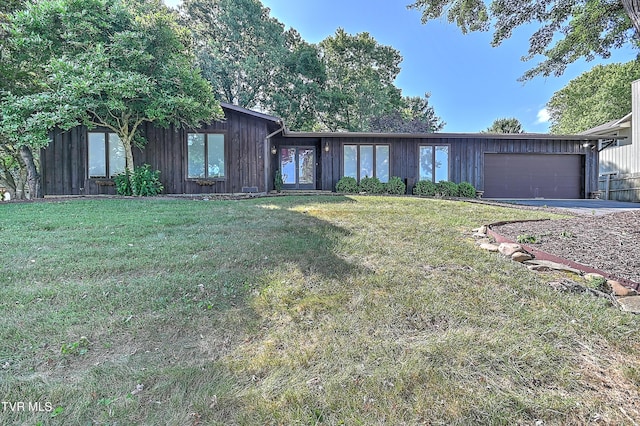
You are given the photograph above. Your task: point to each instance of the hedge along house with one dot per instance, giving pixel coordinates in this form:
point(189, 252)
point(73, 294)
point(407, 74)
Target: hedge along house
point(243, 153)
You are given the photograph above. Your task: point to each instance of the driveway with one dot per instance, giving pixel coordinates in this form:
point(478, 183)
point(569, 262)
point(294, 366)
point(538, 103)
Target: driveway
point(590, 207)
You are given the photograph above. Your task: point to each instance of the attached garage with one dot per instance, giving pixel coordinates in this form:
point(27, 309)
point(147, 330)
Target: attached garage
point(534, 176)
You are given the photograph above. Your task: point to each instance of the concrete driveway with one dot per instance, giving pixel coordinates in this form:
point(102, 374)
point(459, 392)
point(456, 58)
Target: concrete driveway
point(590, 207)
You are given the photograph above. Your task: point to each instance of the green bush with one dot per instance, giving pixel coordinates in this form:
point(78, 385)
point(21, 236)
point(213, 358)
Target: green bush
point(465, 189)
point(395, 186)
point(347, 184)
point(425, 188)
point(144, 182)
point(278, 182)
point(371, 185)
point(444, 188)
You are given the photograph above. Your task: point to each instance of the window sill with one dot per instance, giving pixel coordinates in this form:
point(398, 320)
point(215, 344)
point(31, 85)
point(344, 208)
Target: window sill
point(103, 181)
point(207, 182)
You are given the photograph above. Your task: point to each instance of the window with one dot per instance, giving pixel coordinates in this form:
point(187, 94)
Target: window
point(106, 155)
point(434, 163)
point(366, 161)
point(205, 152)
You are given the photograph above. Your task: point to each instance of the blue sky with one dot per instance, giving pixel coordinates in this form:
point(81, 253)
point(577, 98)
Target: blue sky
point(471, 83)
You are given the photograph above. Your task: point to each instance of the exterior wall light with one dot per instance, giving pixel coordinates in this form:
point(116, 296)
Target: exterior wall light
point(326, 146)
point(274, 151)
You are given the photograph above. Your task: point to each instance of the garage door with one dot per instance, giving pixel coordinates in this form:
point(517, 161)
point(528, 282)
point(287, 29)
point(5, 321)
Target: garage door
point(533, 176)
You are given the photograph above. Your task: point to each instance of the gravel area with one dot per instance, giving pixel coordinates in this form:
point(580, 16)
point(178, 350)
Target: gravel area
point(610, 243)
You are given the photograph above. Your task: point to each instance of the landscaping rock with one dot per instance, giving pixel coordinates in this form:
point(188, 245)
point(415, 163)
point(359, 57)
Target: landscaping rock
point(545, 265)
point(483, 241)
point(592, 276)
point(521, 257)
point(508, 249)
point(489, 247)
point(482, 230)
point(619, 290)
point(630, 304)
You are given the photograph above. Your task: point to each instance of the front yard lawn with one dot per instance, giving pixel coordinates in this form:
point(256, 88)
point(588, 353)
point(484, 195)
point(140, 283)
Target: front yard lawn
point(294, 310)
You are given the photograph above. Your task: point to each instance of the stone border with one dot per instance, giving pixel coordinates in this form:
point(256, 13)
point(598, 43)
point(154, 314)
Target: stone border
point(621, 292)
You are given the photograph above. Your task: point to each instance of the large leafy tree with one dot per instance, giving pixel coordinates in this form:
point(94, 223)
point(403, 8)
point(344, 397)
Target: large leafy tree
point(360, 81)
point(569, 29)
point(414, 116)
point(595, 97)
point(103, 63)
point(240, 47)
point(505, 125)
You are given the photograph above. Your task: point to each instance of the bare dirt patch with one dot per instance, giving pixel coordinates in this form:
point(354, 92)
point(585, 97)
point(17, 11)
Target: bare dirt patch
point(610, 242)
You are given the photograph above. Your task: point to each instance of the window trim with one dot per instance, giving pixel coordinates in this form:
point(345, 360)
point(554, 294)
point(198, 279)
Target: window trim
point(374, 158)
point(107, 160)
point(206, 155)
point(433, 159)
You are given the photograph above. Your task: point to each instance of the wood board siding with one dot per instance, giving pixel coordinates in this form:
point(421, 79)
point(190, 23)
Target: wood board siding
point(64, 161)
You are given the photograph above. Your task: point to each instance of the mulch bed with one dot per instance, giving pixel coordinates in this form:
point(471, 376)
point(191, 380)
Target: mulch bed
point(610, 243)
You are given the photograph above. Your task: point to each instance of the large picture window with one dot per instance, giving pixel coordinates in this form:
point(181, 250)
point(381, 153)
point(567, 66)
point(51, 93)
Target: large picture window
point(205, 152)
point(366, 161)
point(106, 155)
point(434, 163)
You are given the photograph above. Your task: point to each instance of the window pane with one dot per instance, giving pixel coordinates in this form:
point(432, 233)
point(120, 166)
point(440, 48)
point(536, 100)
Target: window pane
point(306, 165)
point(216, 155)
point(351, 161)
point(288, 165)
point(97, 158)
point(382, 163)
point(116, 155)
point(366, 161)
point(195, 154)
point(442, 163)
point(426, 163)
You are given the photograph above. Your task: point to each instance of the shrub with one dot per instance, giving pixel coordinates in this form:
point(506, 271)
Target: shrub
point(371, 185)
point(425, 188)
point(444, 188)
point(278, 182)
point(144, 182)
point(465, 189)
point(347, 184)
point(395, 186)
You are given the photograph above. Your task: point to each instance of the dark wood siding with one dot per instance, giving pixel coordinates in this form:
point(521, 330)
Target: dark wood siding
point(64, 161)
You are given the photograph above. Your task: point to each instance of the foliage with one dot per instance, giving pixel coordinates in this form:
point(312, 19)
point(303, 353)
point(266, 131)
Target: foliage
point(505, 125)
point(371, 185)
point(277, 181)
point(596, 97)
point(446, 188)
point(527, 239)
point(116, 67)
point(144, 182)
point(360, 81)
point(347, 185)
point(466, 190)
point(395, 186)
point(414, 115)
point(425, 188)
point(240, 47)
point(569, 30)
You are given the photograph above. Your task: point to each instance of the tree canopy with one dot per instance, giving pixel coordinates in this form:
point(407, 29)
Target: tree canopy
point(594, 98)
point(103, 63)
point(505, 125)
point(569, 29)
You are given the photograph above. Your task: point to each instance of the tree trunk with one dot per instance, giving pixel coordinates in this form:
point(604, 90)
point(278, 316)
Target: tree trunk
point(33, 177)
point(632, 7)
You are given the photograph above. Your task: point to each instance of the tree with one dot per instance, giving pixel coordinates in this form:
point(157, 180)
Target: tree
point(569, 30)
point(414, 116)
point(240, 47)
point(595, 97)
point(103, 63)
point(360, 81)
point(505, 125)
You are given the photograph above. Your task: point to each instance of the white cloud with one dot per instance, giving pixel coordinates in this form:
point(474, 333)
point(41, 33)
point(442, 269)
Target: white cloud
point(543, 116)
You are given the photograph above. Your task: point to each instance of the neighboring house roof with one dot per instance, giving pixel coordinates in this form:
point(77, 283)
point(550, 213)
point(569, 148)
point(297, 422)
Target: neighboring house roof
point(610, 129)
point(250, 112)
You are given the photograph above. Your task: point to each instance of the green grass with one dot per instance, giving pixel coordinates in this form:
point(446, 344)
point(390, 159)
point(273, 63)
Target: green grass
point(294, 310)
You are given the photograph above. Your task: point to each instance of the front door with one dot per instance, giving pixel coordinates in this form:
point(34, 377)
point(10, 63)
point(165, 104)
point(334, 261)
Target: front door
point(298, 167)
